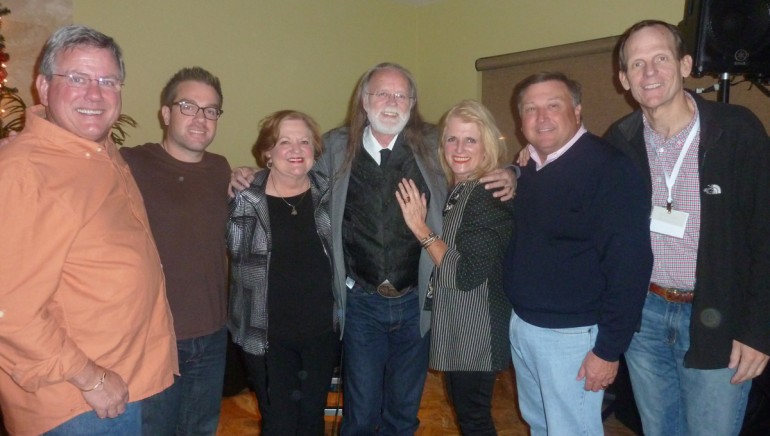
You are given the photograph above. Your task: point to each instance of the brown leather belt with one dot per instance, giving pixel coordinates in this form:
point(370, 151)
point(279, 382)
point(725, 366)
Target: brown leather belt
point(387, 290)
point(672, 295)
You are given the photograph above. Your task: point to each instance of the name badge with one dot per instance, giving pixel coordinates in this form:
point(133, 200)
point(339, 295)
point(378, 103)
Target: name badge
point(668, 223)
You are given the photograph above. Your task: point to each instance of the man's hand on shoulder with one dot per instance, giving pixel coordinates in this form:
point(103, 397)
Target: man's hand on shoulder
point(597, 372)
point(523, 157)
point(503, 180)
point(240, 179)
point(747, 362)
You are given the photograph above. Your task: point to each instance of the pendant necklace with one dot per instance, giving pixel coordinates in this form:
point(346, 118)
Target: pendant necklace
point(292, 206)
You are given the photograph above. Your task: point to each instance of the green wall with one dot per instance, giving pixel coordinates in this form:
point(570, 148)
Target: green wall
point(452, 34)
point(307, 54)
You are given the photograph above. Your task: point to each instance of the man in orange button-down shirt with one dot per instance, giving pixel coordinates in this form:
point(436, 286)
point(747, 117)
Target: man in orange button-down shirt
point(85, 328)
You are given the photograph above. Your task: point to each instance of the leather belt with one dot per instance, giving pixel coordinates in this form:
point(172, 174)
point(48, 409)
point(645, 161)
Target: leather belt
point(672, 295)
point(387, 290)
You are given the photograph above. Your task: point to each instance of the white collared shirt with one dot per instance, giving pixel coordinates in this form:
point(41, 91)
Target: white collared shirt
point(556, 154)
point(373, 147)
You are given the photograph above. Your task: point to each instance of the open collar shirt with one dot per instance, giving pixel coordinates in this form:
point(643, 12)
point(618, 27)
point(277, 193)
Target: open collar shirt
point(556, 154)
point(675, 258)
point(80, 277)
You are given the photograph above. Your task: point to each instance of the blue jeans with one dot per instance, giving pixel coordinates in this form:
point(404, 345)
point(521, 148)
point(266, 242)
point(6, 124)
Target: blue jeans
point(128, 423)
point(191, 405)
point(547, 362)
point(385, 363)
point(672, 399)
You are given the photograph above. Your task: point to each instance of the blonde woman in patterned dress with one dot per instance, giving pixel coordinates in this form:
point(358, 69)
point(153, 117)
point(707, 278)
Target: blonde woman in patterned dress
point(470, 311)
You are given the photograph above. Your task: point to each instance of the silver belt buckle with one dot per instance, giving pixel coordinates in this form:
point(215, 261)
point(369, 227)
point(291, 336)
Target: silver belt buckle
point(387, 290)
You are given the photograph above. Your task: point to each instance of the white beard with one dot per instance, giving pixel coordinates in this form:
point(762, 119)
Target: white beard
point(386, 128)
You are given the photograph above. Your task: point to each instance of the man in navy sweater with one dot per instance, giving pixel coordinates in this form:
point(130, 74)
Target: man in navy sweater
point(579, 263)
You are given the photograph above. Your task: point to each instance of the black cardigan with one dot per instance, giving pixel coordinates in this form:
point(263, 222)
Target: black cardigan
point(732, 282)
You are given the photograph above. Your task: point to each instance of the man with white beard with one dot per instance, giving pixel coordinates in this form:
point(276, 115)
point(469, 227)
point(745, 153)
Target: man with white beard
point(377, 261)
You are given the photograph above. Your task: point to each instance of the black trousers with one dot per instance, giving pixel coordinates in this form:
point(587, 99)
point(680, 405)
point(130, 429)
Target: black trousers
point(291, 383)
point(471, 395)
point(757, 419)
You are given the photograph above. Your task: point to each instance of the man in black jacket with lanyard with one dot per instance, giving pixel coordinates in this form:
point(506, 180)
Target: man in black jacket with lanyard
point(704, 333)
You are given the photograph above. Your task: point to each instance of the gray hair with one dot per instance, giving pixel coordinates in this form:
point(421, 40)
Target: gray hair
point(357, 119)
point(70, 37)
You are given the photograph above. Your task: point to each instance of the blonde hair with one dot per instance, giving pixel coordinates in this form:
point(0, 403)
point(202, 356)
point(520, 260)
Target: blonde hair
point(495, 151)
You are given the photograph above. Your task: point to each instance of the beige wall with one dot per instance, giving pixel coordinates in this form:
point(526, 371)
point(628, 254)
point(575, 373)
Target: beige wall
point(307, 54)
point(452, 34)
point(269, 55)
point(26, 29)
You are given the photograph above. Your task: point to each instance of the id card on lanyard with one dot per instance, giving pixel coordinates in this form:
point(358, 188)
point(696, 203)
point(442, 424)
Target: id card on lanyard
point(667, 220)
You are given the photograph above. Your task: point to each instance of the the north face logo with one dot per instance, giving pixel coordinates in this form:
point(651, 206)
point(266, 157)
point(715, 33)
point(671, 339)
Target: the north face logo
point(712, 190)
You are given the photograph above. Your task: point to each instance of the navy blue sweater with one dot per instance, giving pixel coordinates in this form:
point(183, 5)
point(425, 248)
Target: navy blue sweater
point(581, 251)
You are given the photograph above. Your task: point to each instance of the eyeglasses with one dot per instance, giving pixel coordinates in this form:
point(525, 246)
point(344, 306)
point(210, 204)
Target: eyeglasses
point(191, 110)
point(75, 80)
point(385, 96)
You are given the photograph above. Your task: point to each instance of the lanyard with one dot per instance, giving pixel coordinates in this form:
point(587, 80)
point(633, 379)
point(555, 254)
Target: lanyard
point(671, 179)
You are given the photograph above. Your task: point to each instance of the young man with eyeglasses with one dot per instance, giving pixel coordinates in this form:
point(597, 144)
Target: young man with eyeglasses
point(185, 192)
point(85, 328)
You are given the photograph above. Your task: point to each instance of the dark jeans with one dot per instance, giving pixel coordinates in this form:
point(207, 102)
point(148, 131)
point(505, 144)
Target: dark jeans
point(385, 363)
point(291, 383)
point(471, 395)
point(191, 405)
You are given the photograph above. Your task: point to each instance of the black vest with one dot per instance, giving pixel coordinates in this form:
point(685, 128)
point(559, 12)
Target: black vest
point(377, 243)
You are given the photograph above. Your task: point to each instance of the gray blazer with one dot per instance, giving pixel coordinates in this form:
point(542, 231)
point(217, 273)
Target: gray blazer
point(249, 240)
point(329, 164)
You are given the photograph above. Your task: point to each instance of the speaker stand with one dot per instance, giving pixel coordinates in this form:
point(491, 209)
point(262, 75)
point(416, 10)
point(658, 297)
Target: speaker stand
point(724, 88)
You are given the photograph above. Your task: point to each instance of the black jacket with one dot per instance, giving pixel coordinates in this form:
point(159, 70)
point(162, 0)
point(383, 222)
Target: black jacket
point(732, 282)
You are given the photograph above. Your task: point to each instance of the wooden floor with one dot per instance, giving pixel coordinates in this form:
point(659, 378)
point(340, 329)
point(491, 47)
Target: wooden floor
point(240, 416)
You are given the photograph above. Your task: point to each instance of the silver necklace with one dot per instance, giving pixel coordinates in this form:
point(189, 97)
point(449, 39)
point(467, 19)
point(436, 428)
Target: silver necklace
point(454, 196)
point(292, 206)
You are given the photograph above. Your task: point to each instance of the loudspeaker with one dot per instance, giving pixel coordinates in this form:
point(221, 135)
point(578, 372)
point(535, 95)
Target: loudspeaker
point(728, 36)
